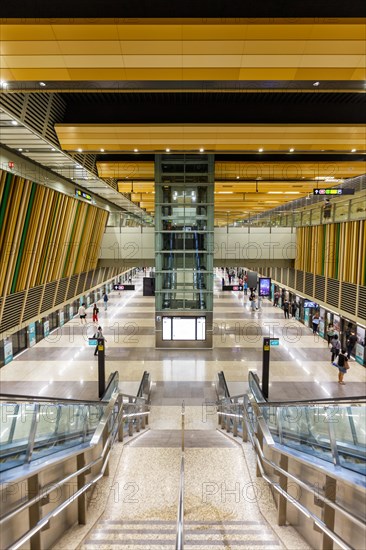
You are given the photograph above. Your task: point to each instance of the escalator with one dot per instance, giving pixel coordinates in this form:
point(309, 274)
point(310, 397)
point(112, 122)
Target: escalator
point(317, 447)
point(57, 450)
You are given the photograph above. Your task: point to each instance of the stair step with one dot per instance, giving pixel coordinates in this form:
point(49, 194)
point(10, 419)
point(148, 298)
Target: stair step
point(192, 439)
point(204, 535)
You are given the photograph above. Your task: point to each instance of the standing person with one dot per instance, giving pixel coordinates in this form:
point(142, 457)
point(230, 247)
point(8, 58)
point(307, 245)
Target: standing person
point(95, 313)
point(351, 344)
point(105, 300)
point(327, 209)
point(343, 366)
point(276, 298)
point(293, 309)
point(330, 332)
point(82, 313)
point(335, 347)
point(245, 288)
point(252, 300)
point(286, 309)
point(316, 321)
point(98, 334)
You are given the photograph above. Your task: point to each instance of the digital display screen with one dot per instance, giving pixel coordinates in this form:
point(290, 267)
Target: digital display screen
point(184, 328)
point(310, 304)
point(264, 286)
point(167, 328)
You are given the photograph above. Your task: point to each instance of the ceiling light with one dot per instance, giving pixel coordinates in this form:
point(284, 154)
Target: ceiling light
point(238, 177)
point(42, 84)
point(225, 192)
point(202, 150)
point(102, 150)
point(3, 84)
point(53, 149)
point(292, 150)
point(135, 150)
point(316, 83)
point(167, 150)
point(292, 192)
point(274, 192)
point(14, 123)
point(260, 150)
point(80, 150)
point(354, 151)
point(20, 149)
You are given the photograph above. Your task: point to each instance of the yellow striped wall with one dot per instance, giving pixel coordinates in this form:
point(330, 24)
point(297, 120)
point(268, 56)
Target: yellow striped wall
point(44, 235)
point(334, 250)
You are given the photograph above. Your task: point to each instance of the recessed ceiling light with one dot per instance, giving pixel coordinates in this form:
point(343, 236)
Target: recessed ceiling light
point(3, 84)
point(292, 150)
point(238, 177)
point(102, 150)
point(135, 150)
point(354, 151)
point(14, 123)
point(53, 149)
point(167, 150)
point(42, 84)
point(80, 150)
point(316, 83)
point(20, 149)
point(202, 150)
point(260, 150)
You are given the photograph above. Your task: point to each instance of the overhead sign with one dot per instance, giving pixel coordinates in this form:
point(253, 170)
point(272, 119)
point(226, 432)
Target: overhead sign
point(123, 287)
point(232, 287)
point(274, 342)
point(310, 304)
point(333, 191)
point(83, 195)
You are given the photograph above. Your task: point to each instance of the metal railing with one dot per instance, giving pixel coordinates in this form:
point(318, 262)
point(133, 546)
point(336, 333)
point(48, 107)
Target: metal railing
point(280, 464)
point(179, 543)
point(122, 415)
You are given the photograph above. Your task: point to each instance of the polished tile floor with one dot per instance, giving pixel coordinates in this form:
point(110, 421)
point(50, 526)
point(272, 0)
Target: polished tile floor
point(63, 365)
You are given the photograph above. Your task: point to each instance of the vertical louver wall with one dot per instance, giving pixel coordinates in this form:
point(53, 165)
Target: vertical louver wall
point(44, 235)
point(336, 251)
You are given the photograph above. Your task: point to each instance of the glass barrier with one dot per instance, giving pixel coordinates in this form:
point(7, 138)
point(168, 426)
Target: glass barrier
point(34, 430)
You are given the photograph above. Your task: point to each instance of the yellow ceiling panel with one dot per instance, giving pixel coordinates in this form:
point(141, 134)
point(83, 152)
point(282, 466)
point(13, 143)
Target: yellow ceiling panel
point(98, 74)
point(89, 47)
point(29, 47)
point(156, 61)
point(85, 32)
point(268, 73)
point(151, 47)
point(94, 61)
point(334, 47)
point(26, 32)
point(41, 74)
point(153, 74)
point(212, 47)
point(6, 74)
point(323, 73)
point(359, 74)
point(35, 61)
point(149, 32)
point(220, 73)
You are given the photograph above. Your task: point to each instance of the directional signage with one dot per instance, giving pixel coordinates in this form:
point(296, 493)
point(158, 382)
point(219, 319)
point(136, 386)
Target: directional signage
point(232, 287)
point(123, 287)
point(333, 191)
point(274, 342)
point(83, 194)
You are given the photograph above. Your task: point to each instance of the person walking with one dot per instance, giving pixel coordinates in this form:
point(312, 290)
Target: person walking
point(286, 309)
point(335, 347)
point(105, 300)
point(252, 301)
point(82, 313)
point(316, 321)
point(293, 309)
point(342, 365)
point(95, 313)
point(276, 298)
point(98, 334)
point(245, 288)
point(330, 332)
point(351, 344)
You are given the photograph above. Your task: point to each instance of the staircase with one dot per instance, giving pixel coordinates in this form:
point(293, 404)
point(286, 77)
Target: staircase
point(155, 534)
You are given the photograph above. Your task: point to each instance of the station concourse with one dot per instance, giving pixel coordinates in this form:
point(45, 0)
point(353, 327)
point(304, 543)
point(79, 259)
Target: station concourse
point(190, 172)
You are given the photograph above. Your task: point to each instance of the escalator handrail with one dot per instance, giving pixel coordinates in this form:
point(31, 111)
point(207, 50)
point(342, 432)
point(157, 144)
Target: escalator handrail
point(13, 398)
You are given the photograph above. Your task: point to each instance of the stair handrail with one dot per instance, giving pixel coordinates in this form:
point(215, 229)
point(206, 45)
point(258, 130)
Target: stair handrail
point(179, 543)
